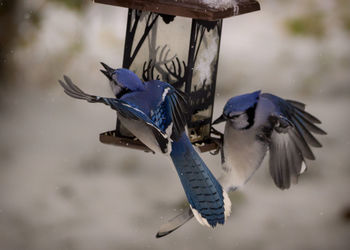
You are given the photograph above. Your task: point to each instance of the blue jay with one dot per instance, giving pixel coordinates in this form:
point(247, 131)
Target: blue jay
point(155, 112)
point(255, 123)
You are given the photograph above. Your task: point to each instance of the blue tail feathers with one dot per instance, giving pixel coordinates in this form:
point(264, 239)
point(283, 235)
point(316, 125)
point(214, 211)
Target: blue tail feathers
point(203, 191)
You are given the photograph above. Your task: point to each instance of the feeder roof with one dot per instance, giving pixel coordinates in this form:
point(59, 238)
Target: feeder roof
point(210, 10)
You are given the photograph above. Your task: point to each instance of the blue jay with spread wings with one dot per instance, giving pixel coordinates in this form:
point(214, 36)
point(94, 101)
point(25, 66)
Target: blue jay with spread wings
point(155, 112)
point(256, 123)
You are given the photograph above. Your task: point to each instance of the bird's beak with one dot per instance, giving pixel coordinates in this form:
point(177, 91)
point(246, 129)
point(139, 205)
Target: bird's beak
point(108, 72)
point(222, 118)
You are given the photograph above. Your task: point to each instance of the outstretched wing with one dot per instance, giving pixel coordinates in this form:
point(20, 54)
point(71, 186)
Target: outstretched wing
point(124, 108)
point(291, 139)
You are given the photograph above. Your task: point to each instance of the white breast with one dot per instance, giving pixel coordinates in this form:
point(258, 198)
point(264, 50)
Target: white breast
point(243, 151)
point(243, 155)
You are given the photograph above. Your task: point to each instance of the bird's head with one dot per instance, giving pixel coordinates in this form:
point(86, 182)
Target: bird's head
point(122, 80)
point(240, 110)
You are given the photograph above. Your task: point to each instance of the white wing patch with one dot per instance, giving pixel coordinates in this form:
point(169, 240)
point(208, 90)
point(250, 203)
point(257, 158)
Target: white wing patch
point(303, 168)
point(166, 90)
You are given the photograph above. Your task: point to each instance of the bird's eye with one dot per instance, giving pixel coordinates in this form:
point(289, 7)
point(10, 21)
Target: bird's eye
point(233, 116)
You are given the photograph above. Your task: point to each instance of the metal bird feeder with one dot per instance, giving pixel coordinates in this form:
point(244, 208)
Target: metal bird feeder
point(177, 41)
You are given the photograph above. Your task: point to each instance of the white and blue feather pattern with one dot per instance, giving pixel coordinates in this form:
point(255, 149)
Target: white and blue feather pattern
point(156, 114)
point(209, 202)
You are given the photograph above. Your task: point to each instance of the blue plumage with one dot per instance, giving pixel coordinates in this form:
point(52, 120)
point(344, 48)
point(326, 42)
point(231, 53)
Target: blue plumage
point(255, 123)
point(128, 79)
point(161, 116)
point(203, 191)
point(155, 112)
point(240, 103)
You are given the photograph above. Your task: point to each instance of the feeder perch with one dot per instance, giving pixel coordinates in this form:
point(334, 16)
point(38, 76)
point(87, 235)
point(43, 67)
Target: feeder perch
point(177, 41)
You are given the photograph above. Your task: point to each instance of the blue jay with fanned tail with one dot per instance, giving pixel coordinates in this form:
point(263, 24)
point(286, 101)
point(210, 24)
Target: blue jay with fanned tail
point(255, 123)
point(155, 112)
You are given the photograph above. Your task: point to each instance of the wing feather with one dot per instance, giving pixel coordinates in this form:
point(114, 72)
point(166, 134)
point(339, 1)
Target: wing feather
point(178, 117)
point(307, 116)
point(122, 107)
point(179, 111)
point(297, 104)
point(309, 138)
point(290, 141)
point(309, 125)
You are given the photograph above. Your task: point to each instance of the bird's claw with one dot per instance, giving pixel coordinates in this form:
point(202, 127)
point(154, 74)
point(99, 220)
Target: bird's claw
point(217, 141)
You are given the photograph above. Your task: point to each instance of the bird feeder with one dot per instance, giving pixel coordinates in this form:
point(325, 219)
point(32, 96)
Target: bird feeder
point(177, 41)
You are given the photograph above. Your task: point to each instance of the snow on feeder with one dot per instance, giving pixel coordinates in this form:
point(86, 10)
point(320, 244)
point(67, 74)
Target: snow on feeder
point(177, 41)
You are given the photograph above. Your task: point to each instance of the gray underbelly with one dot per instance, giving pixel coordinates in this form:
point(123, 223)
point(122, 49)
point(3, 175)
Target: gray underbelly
point(142, 132)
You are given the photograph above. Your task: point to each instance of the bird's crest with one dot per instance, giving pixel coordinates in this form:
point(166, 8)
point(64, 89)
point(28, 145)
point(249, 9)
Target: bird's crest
point(239, 104)
point(122, 80)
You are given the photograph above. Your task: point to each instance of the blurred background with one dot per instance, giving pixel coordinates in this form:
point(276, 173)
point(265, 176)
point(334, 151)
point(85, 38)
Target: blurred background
point(60, 188)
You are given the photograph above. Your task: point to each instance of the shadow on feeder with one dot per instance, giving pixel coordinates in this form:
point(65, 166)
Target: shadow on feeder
point(161, 44)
